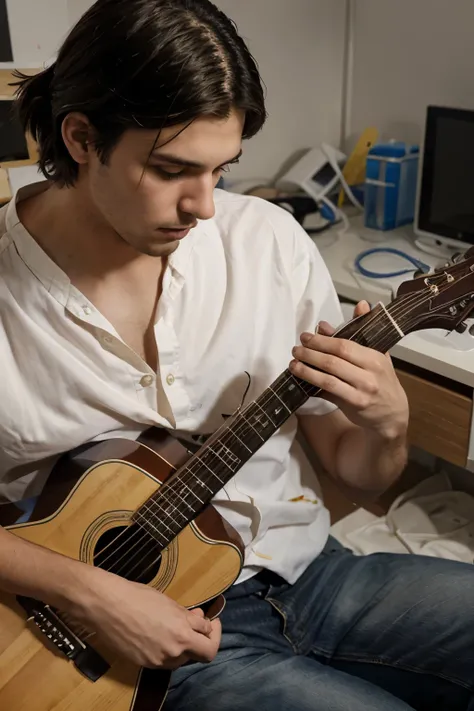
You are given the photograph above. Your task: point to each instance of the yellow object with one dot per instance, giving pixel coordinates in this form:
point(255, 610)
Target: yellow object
point(354, 169)
point(304, 498)
point(5, 190)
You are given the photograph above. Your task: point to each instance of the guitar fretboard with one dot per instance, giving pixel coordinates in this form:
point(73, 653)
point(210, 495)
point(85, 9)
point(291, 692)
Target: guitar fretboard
point(190, 489)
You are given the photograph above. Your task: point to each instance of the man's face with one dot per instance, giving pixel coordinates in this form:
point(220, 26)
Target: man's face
point(152, 201)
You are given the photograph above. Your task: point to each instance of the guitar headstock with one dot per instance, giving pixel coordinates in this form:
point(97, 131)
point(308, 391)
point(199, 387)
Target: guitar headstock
point(442, 299)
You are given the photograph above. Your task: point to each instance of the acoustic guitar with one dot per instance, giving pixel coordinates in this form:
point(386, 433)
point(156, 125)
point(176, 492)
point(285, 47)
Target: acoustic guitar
point(142, 510)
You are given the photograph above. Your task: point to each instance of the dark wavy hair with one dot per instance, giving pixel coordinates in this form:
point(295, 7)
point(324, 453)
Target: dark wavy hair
point(140, 64)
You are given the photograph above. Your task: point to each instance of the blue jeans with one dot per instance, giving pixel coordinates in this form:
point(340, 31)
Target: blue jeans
point(374, 633)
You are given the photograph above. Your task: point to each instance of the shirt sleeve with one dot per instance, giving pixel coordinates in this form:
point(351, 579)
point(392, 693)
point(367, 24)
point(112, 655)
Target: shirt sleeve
point(315, 299)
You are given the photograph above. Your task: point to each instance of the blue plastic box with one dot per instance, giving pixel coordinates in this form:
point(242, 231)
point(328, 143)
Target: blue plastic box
point(390, 185)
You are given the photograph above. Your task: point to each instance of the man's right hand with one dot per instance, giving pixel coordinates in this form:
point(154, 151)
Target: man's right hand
point(142, 624)
point(138, 622)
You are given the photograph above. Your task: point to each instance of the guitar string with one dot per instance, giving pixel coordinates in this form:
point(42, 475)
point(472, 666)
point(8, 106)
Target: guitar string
point(248, 428)
point(407, 301)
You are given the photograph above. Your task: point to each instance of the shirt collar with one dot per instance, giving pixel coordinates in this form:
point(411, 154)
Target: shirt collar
point(48, 272)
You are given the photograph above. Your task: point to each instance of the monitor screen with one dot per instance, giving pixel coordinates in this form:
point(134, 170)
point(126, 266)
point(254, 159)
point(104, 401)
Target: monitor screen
point(6, 54)
point(13, 145)
point(446, 197)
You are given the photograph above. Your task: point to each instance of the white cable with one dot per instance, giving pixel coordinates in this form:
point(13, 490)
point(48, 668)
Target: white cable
point(338, 213)
point(349, 192)
point(344, 184)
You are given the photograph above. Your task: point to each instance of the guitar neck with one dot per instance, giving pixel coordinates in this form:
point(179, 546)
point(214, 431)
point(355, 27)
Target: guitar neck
point(190, 489)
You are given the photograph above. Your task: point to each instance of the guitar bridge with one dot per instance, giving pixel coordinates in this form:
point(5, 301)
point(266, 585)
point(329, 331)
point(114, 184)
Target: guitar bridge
point(85, 658)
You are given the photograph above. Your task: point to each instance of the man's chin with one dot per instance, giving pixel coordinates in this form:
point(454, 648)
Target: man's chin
point(163, 249)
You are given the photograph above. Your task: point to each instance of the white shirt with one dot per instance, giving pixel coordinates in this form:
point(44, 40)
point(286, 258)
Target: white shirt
point(237, 294)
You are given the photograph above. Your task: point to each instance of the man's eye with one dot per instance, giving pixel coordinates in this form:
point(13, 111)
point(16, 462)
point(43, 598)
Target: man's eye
point(166, 174)
point(225, 168)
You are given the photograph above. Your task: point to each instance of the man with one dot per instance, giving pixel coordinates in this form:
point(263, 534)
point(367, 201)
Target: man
point(133, 294)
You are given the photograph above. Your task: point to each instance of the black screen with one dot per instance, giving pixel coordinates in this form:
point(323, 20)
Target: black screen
point(447, 189)
point(6, 54)
point(324, 174)
point(13, 144)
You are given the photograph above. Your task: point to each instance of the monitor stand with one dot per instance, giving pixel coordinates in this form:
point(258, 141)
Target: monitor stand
point(451, 339)
point(441, 247)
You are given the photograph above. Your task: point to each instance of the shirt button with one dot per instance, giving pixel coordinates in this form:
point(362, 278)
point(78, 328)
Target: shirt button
point(170, 379)
point(86, 310)
point(146, 381)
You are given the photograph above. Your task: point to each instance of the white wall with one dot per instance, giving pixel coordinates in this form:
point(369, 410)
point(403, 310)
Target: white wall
point(37, 28)
point(408, 54)
point(299, 47)
point(76, 8)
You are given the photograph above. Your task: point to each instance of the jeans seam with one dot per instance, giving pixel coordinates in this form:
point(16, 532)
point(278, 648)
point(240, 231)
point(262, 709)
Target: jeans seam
point(377, 660)
point(281, 612)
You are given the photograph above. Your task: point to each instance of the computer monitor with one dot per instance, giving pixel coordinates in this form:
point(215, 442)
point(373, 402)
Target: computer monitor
point(13, 143)
point(16, 148)
point(445, 199)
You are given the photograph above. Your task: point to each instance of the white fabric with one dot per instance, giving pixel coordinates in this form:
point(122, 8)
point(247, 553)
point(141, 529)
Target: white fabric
point(431, 519)
point(236, 295)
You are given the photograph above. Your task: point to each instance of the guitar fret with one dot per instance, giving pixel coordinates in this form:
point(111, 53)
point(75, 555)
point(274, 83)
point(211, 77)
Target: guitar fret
point(282, 402)
point(255, 430)
point(197, 479)
point(168, 501)
point(240, 440)
point(265, 413)
point(200, 459)
point(235, 460)
point(278, 409)
point(147, 525)
point(161, 515)
point(190, 491)
point(306, 387)
point(182, 499)
point(160, 520)
point(298, 382)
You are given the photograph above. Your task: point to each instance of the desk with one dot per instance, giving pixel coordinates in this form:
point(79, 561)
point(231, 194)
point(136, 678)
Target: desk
point(5, 190)
point(438, 379)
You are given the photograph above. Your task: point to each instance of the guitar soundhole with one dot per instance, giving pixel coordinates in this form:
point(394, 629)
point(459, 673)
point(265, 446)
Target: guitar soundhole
point(127, 552)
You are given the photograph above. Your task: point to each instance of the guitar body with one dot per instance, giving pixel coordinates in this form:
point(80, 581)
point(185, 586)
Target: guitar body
point(201, 563)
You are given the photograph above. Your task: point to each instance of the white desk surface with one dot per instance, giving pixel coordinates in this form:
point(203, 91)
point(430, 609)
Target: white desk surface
point(426, 349)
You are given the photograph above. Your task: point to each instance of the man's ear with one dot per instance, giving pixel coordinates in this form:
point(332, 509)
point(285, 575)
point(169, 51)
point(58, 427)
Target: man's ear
point(77, 133)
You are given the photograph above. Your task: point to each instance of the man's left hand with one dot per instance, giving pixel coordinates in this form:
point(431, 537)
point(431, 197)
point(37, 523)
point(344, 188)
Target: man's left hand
point(360, 381)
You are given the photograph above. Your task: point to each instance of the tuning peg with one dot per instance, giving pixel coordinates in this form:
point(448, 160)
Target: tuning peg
point(461, 327)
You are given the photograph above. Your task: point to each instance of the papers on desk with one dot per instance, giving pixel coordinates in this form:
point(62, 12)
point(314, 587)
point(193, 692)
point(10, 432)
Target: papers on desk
point(24, 175)
point(5, 192)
